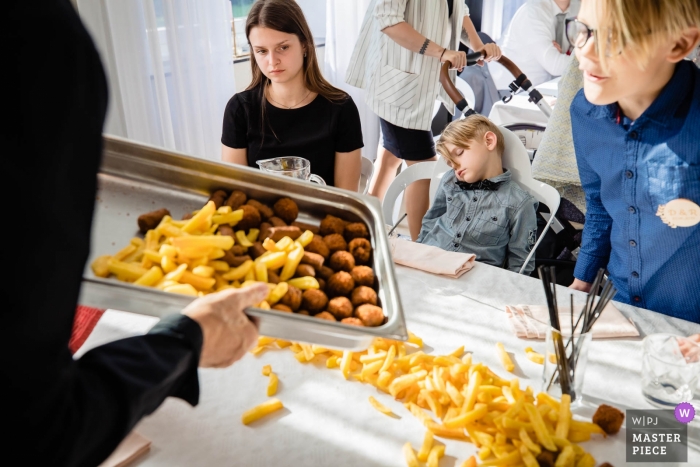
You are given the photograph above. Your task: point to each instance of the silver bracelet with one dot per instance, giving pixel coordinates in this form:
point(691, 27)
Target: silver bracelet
point(424, 46)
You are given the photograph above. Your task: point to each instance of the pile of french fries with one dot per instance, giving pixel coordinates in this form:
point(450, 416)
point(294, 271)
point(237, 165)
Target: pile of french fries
point(457, 398)
point(185, 257)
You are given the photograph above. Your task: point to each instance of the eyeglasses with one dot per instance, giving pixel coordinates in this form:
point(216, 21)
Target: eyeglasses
point(578, 33)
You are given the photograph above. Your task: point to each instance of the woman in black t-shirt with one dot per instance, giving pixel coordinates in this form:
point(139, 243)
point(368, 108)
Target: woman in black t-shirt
point(289, 109)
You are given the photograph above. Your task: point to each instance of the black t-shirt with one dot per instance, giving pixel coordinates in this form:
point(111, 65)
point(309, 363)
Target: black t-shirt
point(315, 132)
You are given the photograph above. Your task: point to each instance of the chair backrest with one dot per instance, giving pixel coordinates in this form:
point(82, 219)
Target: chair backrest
point(366, 173)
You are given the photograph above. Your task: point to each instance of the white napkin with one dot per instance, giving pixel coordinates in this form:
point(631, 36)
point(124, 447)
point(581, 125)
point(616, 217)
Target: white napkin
point(532, 321)
point(430, 258)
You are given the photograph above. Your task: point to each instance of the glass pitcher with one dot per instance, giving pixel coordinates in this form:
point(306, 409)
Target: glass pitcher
point(295, 167)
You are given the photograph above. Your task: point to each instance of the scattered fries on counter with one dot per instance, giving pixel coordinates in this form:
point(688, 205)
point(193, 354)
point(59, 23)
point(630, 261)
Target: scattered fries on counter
point(457, 398)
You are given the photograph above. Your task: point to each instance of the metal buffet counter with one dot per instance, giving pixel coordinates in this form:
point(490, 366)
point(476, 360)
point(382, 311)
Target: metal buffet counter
point(327, 421)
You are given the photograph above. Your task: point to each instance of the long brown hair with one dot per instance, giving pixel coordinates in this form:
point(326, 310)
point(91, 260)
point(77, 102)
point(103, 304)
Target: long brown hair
point(286, 16)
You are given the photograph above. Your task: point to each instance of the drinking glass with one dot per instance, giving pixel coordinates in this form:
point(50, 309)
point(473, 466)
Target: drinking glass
point(577, 356)
point(670, 369)
point(295, 167)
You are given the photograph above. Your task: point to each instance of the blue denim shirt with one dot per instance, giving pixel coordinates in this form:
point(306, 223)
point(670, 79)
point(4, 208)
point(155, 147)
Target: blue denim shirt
point(494, 225)
point(627, 172)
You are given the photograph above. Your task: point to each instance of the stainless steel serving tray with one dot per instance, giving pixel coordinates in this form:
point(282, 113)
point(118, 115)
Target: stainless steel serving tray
point(136, 178)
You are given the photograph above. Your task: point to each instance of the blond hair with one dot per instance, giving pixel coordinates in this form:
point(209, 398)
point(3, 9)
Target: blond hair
point(642, 25)
point(462, 132)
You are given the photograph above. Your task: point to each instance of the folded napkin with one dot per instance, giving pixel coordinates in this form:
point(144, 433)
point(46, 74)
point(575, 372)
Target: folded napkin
point(532, 321)
point(430, 258)
point(130, 449)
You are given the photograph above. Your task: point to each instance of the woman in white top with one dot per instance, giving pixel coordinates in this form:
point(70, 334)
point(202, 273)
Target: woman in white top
point(397, 61)
point(536, 41)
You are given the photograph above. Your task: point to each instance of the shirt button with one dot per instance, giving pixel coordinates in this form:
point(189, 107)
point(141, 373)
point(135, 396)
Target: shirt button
point(474, 199)
point(631, 209)
point(459, 235)
point(635, 274)
point(494, 218)
point(637, 298)
point(468, 219)
point(633, 135)
point(449, 199)
point(456, 245)
point(633, 243)
point(629, 174)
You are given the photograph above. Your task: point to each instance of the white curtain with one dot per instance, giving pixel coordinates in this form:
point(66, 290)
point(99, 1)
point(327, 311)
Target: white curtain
point(169, 64)
point(343, 22)
point(496, 16)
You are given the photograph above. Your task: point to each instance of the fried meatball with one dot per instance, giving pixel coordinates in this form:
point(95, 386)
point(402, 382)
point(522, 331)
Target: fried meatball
point(355, 230)
point(371, 315)
point(608, 418)
point(236, 200)
point(251, 218)
point(303, 312)
point(340, 283)
point(342, 261)
point(361, 249)
point(340, 307)
point(219, 197)
point(265, 211)
point(335, 242)
point(281, 307)
point(304, 270)
point(314, 300)
point(362, 295)
point(325, 272)
point(318, 246)
point(325, 315)
point(286, 209)
point(363, 275)
point(292, 298)
point(547, 458)
point(332, 225)
point(352, 321)
point(304, 227)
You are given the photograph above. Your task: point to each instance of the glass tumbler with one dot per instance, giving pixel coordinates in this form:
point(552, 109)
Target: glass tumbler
point(670, 369)
point(577, 357)
point(295, 167)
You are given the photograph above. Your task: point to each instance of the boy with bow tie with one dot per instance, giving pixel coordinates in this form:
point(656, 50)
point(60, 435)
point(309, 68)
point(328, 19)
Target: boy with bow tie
point(478, 208)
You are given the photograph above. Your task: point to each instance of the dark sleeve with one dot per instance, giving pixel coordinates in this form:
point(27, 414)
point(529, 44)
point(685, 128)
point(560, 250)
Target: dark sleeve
point(349, 134)
point(72, 412)
point(235, 130)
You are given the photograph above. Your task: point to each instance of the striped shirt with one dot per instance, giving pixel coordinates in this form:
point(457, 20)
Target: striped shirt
point(402, 85)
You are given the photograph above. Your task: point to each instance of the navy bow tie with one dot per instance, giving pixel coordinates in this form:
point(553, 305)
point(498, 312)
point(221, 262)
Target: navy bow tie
point(481, 185)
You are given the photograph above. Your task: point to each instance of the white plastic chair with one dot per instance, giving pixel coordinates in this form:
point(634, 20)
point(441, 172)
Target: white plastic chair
point(366, 173)
point(515, 159)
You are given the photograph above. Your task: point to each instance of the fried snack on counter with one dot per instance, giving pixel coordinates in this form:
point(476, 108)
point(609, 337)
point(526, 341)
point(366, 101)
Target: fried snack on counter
point(304, 227)
point(342, 261)
point(362, 295)
point(340, 307)
point(608, 418)
point(335, 242)
point(325, 272)
point(236, 200)
point(278, 233)
point(219, 197)
point(355, 230)
point(352, 321)
point(264, 230)
point(292, 298)
point(226, 230)
point(256, 250)
point(272, 277)
point(286, 209)
point(281, 307)
point(331, 225)
point(546, 458)
point(370, 315)
point(312, 259)
point(265, 211)
point(318, 246)
point(235, 261)
point(151, 219)
point(251, 218)
point(360, 249)
point(259, 411)
point(363, 275)
point(314, 300)
point(277, 222)
point(325, 315)
point(305, 270)
point(340, 283)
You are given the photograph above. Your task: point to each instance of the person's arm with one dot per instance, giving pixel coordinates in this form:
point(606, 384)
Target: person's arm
point(540, 40)
point(522, 233)
point(234, 155)
point(390, 15)
point(234, 134)
point(348, 166)
point(493, 52)
point(438, 209)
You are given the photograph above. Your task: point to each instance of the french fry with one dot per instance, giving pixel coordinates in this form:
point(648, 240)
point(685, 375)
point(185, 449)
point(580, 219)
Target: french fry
point(291, 263)
point(202, 220)
point(410, 456)
point(566, 457)
point(470, 462)
point(379, 406)
point(259, 411)
point(204, 271)
point(528, 443)
point(252, 235)
point(479, 411)
point(283, 244)
point(242, 239)
point(203, 242)
point(345, 363)
point(534, 356)
point(527, 457)
point(270, 245)
point(586, 427)
point(541, 431)
point(100, 266)
point(231, 218)
point(151, 278)
point(277, 293)
point(470, 396)
point(129, 271)
point(266, 370)
point(415, 340)
point(274, 260)
point(272, 385)
point(562, 429)
point(239, 272)
point(224, 210)
point(219, 266)
point(436, 452)
point(305, 238)
point(260, 272)
point(587, 460)
point(304, 283)
point(332, 361)
point(504, 357)
point(124, 252)
point(183, 289)
point(199, 282)
point(402, 382)
point(426, 446)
